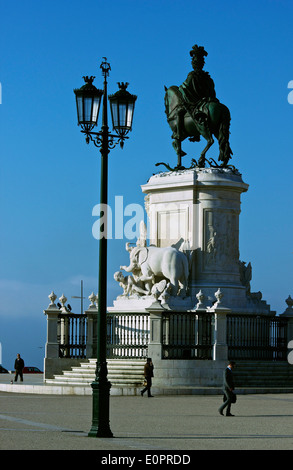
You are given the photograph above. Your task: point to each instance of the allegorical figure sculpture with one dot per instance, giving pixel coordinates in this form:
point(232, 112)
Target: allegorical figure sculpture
point(156, 264)
point(193, 110)
point(130, 285)
point(155, 271)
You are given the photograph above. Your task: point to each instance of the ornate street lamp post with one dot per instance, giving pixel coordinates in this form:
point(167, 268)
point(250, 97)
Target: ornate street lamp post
point(88, 100)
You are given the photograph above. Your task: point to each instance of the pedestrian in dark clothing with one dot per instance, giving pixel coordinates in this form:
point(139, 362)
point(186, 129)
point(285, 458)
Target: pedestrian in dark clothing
point(148, 374)
point(18, 366)
point(228, 387)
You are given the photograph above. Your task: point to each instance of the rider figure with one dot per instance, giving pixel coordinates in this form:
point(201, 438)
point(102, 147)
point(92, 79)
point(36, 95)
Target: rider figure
point(198, 87)
point(193, 110)
point(197, 90)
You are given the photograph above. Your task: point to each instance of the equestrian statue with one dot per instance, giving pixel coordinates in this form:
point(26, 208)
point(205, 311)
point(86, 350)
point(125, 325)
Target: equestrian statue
point(193, 111)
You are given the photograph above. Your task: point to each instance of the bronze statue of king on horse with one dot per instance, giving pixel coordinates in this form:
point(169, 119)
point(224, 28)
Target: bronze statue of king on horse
point(193, 111)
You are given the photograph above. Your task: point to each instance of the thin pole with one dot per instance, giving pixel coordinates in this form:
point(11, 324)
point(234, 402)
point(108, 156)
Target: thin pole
point(81, 297)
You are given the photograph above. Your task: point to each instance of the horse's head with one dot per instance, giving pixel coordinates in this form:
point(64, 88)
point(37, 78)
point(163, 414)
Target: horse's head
point(166, 100)
point(172, 98)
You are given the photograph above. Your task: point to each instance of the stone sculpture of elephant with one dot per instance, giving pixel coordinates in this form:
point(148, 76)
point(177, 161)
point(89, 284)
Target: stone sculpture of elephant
point(152, 264)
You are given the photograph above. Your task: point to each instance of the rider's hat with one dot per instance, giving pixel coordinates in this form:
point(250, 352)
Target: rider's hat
point(198, 51)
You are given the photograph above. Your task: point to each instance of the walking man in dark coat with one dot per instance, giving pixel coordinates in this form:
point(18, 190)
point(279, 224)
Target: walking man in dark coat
point(228, 387)
point(18, 366)
point(148, 374)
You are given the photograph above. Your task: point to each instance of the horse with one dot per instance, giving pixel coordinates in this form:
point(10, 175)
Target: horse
point(213, 119)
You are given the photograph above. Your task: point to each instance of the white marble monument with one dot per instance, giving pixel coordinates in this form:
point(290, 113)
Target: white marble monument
point(193, 218)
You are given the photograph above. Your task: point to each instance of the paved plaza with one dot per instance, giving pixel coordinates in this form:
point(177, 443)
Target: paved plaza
point(162, 423)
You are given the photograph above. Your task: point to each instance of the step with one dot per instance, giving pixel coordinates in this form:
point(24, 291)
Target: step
point(121, 372)
point(263, 374)
point(129, 373)
point(79, 383)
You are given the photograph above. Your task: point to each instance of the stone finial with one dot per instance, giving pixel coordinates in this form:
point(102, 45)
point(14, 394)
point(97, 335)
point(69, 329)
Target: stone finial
point(289, 302)
point(92, 299)
point(289, 309)
point(219, 295)
point(200, 298)
point(218, 306)
point(52, 297)
point(63, 300)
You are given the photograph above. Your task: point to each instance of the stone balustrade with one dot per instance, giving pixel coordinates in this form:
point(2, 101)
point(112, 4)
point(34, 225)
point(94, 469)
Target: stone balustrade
point(204, 332)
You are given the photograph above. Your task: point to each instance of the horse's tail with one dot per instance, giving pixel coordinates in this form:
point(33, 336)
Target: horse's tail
point(223, 138)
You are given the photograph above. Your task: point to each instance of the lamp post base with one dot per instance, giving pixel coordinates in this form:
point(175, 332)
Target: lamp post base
point(101, 398)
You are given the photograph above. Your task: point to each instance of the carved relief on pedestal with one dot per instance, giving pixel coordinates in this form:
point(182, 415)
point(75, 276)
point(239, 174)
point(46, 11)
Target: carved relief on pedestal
point(221, 251)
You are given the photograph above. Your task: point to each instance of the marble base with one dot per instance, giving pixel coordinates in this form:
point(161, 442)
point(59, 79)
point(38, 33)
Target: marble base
point(197, 211)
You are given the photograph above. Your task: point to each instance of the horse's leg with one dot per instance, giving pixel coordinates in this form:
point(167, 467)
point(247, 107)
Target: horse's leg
point(177, 136)
point(179, 155)
point(177, 146)
point(203, 128)
point(201, 161)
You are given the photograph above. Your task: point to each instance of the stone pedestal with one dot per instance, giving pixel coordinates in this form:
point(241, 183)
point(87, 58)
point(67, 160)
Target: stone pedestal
point(53, 363)
point(52, 345)
point(198, 210)
point(155, 337)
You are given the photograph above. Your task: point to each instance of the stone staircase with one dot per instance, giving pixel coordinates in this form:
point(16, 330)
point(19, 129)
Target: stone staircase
point(126, 377)
point(121, 373)
point(263, 374)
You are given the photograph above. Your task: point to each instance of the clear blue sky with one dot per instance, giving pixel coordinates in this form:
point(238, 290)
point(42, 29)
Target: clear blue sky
point(49, 177)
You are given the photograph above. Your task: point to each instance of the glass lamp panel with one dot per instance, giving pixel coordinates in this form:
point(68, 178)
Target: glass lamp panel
point(115, 117)
point(79, 103)
point(130, 115)
point(87, 109)
point(96, 106)
point(122, 114)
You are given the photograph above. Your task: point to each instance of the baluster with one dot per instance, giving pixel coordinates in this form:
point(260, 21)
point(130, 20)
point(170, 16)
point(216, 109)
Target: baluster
point(126, 322)
point(124, 333)
point(131, 333)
